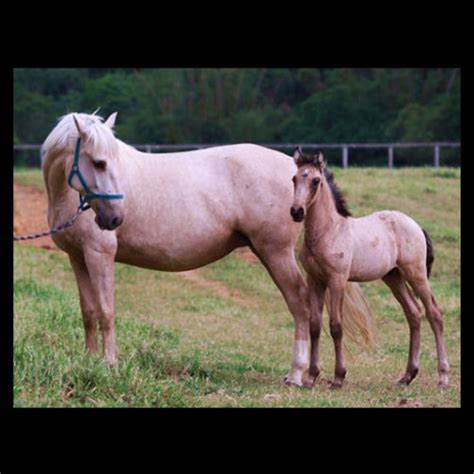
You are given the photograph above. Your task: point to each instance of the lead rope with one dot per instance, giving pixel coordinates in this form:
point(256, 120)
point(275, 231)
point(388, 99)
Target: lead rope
point(54, 230)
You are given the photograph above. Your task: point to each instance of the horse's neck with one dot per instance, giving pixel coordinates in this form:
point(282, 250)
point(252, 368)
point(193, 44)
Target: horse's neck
point(322, 215)
point(55, 176)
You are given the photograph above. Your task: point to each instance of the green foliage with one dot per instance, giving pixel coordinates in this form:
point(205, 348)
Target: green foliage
point(223, 105)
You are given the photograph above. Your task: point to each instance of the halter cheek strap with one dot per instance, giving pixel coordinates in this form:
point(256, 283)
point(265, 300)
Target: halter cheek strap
point(75, 171)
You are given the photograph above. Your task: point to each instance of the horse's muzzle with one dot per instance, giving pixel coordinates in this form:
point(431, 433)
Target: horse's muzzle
point(108, 222)
point(297, 214)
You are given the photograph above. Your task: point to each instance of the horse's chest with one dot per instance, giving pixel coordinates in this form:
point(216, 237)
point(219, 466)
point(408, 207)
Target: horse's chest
point(322, 263)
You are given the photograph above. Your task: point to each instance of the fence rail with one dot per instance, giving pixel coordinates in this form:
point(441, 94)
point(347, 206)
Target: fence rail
point(344, 147)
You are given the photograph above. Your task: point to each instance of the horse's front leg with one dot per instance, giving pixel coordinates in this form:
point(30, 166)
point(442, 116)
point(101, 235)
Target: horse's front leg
point(87, 299)
point(282, 266)
point(100, 266)
point(336, 293)
point(316, 292)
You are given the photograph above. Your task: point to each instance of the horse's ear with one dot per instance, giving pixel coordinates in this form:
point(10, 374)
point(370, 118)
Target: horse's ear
point(78, 126)
point(110, 122)
point(320, 161)
point(297, 155)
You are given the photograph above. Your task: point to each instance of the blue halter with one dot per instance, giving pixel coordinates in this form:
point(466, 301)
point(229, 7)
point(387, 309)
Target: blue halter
point(90, 195)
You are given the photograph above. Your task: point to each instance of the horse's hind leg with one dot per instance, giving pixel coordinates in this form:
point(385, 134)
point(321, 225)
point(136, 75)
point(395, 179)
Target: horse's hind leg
point(397, 283)
point(282, 266)
point(87, 299)
point(421, 286)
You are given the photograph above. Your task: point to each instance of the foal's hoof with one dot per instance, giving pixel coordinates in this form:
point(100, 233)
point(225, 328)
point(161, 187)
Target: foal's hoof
point(405, 381)
point(408, 377)
point(310, 381)
point(442, 384)
point(335, 385)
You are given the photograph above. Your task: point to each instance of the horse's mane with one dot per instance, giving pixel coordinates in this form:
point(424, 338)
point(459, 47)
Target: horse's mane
point(339, 200)
point(65, 134)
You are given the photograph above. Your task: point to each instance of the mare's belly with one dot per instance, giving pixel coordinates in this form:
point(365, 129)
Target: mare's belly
point(175, 255)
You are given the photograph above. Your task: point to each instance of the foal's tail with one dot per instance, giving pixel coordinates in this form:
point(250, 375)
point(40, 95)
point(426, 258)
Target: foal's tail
point(357, 318)
point(429, 252)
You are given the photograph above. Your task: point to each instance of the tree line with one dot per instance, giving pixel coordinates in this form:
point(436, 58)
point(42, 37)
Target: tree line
point(260, 105)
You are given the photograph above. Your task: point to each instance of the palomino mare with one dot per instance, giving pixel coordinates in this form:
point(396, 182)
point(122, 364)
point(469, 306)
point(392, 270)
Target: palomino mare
point(338, 248)
point(171, 212)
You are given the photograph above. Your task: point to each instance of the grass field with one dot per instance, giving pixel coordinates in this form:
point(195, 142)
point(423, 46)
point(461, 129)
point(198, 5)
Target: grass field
point(225, 338)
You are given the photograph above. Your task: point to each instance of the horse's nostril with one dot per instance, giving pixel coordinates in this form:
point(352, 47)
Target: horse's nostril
point(297, 214)
point(116, 221)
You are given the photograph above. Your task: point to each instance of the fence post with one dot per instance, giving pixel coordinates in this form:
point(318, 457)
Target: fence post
point(436, 156)
point(390, 157)
point(345, 157)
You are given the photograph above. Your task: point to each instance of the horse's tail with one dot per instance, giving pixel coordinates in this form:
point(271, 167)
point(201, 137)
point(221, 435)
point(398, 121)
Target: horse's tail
point(429, 252)
point(357, 318)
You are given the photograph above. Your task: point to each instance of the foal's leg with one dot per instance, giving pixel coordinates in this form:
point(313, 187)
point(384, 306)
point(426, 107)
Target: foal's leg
point(433, 313)
point(397, 283)
point(87, 299)
point(316, 292)
point(336, 291)
point(282, 266)
point(101, 271)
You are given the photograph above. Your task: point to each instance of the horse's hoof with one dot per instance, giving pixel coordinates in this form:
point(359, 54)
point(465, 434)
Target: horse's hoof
point(310, 380)
point(404, 381)
point(443, 384)
point(289, 382)
point(335, 385)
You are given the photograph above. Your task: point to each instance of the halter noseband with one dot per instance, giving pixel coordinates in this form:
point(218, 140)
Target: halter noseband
point(90, 195)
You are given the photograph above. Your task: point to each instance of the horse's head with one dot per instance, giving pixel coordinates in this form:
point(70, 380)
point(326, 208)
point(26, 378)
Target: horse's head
point(307, 181)
point(93, 169)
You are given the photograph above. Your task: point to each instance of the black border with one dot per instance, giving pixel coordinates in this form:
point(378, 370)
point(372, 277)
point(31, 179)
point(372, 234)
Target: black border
point(371, 429)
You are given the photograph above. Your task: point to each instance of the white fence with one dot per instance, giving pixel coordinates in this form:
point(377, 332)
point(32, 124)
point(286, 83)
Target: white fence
point(344, 147)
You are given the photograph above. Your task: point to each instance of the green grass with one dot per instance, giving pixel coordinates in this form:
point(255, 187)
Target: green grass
point(29, 177)
point(184, 345)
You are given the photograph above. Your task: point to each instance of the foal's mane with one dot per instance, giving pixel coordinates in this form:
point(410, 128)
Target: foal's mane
point(338, 196)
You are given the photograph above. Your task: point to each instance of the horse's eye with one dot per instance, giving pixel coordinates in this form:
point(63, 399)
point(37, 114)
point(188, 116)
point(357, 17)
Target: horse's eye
point(316, 181)
point(99, 164)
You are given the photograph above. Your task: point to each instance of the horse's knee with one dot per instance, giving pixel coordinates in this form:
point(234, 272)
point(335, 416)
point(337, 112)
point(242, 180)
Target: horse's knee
point(336, 330)
point(89, 319)
point(315, 327)
point(106, 321)
point(414, 320)
point(89, 324)
point(435, 318)
point(438, 322)
point(300, 292)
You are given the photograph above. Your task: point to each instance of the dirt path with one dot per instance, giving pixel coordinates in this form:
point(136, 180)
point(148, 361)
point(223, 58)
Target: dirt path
point(30, 216)
point(218, 288)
